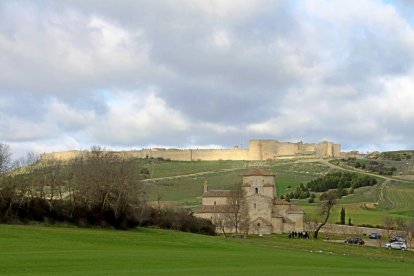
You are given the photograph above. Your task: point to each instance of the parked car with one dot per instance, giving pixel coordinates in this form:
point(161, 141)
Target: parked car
point(355, 241)
point(375, 235)
point(397, 239)
point(396, 245)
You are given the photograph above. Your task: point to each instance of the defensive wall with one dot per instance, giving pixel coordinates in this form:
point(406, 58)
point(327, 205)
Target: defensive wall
point(258, 150)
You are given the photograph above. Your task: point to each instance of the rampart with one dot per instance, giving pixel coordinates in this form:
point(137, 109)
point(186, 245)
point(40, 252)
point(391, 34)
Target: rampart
point(258, 150)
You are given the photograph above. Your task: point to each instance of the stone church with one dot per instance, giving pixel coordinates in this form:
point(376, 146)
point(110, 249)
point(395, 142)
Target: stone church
point(267, 213)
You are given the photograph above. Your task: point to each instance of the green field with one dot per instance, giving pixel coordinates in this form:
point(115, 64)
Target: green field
point(368, 205)
point(38, 250)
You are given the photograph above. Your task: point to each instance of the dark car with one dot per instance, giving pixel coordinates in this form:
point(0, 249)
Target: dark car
point(355, 241)
point(397, 239)
point(375, 235)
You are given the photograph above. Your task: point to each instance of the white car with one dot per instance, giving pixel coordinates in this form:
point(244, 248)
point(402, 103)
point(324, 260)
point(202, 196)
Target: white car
point(396, 245)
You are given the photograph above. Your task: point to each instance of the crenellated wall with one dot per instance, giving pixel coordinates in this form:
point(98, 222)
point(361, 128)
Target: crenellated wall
point(258, 150)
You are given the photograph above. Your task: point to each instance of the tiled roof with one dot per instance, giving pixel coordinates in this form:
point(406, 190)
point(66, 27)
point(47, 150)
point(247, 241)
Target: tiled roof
point(293, 209)
point(279, 201)
point(258, 172)
point(213, 209)
point(217, 193)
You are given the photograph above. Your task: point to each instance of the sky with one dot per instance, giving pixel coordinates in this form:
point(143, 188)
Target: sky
point(205, 74)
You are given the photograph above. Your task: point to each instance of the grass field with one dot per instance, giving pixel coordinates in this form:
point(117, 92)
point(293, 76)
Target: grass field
point(222, 175)
point(36, 250)
point(366, 206)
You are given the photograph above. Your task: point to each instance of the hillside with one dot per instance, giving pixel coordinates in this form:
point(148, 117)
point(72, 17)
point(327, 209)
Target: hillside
point(35, 250)
point(392, 196)
point(180, 183)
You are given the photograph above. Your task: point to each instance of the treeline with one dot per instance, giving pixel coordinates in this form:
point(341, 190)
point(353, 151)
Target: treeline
point(397, 155)
point(97, 189)
point(336, 184)
point(342, 180)
point(371, 166)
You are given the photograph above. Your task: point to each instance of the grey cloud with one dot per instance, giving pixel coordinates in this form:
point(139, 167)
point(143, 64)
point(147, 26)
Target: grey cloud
point(141, 73)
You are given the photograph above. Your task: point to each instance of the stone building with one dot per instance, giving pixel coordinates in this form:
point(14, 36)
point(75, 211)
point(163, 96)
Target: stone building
point(259, 149)
point(267, 214)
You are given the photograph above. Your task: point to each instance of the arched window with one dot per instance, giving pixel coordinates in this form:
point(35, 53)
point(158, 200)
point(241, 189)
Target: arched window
point(214, 203)
point(256, 190)
point(254, 205)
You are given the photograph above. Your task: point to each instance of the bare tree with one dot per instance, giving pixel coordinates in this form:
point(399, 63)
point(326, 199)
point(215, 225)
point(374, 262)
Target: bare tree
point(326, 207)
point(400, 223)
point(29, 159)
point(311, 223)
point(409, 232)
point(388, 224)
point(5, 158)
point(220, 221)
point(104, 181)
point(237, 210)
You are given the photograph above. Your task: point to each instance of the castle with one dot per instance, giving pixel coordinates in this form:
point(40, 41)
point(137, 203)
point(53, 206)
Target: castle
point(257, 150)
point(266, 213)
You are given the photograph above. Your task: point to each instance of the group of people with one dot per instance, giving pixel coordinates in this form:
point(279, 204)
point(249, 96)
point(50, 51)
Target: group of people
point(300, 235)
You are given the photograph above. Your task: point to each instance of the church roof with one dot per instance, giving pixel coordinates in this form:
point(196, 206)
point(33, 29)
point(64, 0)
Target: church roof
point(279, 201)
point(293, 209)
point(217, 193)
point(213, 209)
point(258, 172)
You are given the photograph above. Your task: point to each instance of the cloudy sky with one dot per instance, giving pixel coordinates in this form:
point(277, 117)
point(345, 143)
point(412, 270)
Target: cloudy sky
point(212, 73)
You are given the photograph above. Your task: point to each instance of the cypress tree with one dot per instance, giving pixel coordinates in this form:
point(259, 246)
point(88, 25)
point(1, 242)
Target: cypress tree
point(343, 216)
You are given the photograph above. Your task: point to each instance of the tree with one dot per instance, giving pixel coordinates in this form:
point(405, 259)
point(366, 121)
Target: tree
point(342, 219)
point(409, 232)
point(5, 158)
point(237, 214)
point(388, 224)
point(311, 223)
point(326, 207)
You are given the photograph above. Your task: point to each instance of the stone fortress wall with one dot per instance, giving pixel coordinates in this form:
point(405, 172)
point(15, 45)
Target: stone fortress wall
point(258, 150)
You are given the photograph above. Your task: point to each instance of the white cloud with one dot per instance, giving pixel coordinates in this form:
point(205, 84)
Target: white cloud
point(223, 72)
point(137, 117)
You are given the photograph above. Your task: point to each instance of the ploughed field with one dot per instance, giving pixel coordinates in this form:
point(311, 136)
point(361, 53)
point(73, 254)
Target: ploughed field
point(40, 250)
point(182, 183)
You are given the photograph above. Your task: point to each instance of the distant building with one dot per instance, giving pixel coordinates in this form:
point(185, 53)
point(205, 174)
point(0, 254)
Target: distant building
point(267, 214)
point(259, 149)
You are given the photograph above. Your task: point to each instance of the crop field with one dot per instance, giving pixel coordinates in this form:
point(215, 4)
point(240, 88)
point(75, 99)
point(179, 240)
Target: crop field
point(39, 250)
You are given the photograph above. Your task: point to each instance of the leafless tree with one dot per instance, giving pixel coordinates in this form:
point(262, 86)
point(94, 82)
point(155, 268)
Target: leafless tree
point(5, 158)
point(409, 232)
point(237, 210)
point(27, 160)
point(311, 223)
point(104, 181)
point(388, 224)
point(325, 211)
point(220, 221)
point(400, 223)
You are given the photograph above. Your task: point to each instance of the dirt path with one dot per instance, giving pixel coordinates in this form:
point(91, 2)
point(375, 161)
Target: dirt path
point(190, 175)
point(383, 198)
